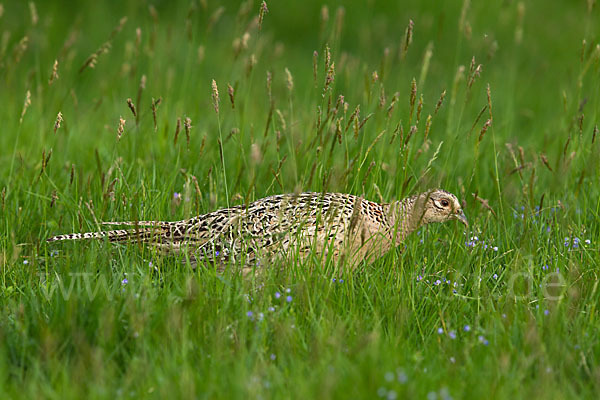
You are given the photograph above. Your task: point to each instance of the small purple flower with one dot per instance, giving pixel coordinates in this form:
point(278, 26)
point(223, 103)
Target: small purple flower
point(548, 229)
point(389, 376)
point(277, 295)
point(419, 278)
point(545, 267)
point(402, 377)
point(587, 241)
point(467, 328)
point(341, 281)
point(124, 281)
point(437, 282)
point(271, 308)
point(176, 196)
point(288, 290)
point(288, 299)
point(452, 335)
point(546, 312)
point(333, 280)
point(249, 314)
point(273, 357)
point(495, 276)
point(495, 248)
point(440, 331)
point(25, 262)
point(483, 340)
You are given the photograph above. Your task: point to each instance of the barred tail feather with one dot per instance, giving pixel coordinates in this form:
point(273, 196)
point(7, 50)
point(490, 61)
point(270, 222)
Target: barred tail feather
point(119, 235)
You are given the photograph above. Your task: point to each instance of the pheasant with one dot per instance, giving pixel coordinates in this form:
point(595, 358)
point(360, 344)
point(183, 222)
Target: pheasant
point(339, 226)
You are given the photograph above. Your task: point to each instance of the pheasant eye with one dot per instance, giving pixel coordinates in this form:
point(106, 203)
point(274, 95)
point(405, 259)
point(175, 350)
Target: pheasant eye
point(445, 203)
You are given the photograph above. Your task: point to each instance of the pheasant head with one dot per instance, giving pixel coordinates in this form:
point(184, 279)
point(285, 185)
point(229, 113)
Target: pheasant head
point(439, 206)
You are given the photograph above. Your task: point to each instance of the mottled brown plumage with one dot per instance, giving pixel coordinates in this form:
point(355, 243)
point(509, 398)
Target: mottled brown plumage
point(344, 227)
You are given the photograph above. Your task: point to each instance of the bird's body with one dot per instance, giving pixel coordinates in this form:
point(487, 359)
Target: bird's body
point(326, 225)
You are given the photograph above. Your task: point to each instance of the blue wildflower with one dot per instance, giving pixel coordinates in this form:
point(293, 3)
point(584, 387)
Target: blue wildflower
point(288, 299)
point(249, 314)
point(124, 281)
point(440, 331)
point(467, 328)
point(452, 335)
point(277, 295)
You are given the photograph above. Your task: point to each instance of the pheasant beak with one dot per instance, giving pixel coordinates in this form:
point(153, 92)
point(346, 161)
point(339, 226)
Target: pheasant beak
point(460, 215)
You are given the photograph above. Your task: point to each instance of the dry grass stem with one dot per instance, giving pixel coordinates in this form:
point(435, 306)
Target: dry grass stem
point(545, 161)
point(485, 203)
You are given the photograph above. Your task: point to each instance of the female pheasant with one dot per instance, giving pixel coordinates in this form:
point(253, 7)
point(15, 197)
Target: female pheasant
point(344, 227)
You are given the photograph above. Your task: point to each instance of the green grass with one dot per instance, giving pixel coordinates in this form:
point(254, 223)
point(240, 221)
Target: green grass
point(70, 326)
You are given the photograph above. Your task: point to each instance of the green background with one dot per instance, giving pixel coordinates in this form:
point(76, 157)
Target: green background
point(100, 320)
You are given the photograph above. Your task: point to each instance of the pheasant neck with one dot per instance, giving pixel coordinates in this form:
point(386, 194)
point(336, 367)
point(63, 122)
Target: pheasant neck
point(405, 217)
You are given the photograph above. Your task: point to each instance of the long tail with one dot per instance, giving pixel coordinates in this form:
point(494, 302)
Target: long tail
point(145, 231)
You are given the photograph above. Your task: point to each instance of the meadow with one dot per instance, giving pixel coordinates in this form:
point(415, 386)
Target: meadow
point(156, 110)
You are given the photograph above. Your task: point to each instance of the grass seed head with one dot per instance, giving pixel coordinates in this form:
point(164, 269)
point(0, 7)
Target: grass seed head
point(187, 124)
point(54, 75)
point(59, 119)
point(34, 15)
point(120, 128)
point(289, 80)
point(407, 38)
point(261, 14)
point(177, 129)
point(131, 107)
point(215, 96)
point(26, 105)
